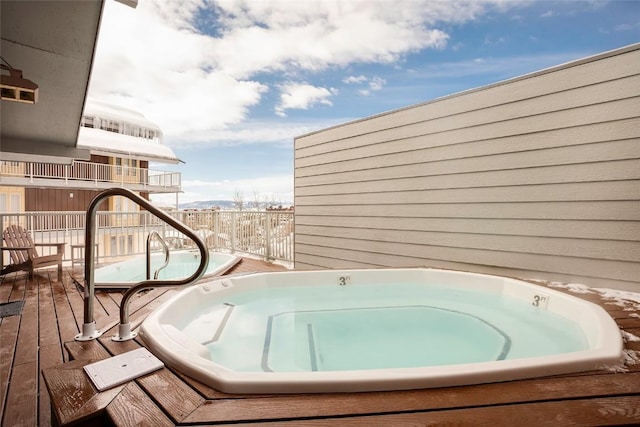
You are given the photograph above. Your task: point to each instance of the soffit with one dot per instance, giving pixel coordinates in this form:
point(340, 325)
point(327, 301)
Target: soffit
point(53, 43)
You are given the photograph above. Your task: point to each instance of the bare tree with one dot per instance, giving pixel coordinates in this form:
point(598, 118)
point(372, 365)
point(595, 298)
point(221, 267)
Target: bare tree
point(238, 200)
point(256, 200)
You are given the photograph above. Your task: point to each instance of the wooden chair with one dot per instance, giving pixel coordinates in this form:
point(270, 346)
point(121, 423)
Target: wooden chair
point(24, 255)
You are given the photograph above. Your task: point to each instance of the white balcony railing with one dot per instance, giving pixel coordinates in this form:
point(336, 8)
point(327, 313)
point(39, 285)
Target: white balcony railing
point(81, 173)
point(265, 234)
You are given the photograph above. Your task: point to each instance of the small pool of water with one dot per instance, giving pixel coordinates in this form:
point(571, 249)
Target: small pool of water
point(181, 264)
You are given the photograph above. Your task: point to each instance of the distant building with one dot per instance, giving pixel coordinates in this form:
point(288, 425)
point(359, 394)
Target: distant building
point(121, 142)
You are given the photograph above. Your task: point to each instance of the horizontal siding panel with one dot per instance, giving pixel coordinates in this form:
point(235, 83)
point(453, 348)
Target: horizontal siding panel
point(590, 97)
point(386, 253)
point(439, 147)
point(598, 113)
point(386, 167)
point(580, 248)
point(583, 172)
point(603, 230)
point(619, 67)
point(623, 190)
point(605, 210)
point(312, 262)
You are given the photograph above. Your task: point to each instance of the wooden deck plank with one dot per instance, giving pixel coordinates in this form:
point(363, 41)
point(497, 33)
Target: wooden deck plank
point(132, 407)
point(9, 327)
point(76, 300)
point(86, 350)
point(336, 405)
point(6, 286)
point(174, 396)
point(50, 347)
point(22, 396)
point(248, 265)
point(624, 410)
point(109, 305)
point(206, 391)
point(18, 289)
point(22, 399)
point(67, 325)
point(628, 323)
point(50, 355)
point(47, 320)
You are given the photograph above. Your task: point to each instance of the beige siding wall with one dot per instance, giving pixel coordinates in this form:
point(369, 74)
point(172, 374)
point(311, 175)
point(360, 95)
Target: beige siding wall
point(535, 177)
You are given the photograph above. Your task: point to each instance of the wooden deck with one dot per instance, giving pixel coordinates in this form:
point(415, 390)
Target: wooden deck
point(41, 338)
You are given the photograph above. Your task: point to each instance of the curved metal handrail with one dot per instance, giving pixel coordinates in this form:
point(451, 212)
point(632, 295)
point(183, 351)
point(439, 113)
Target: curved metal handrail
point(89, 331)
point(165, 248)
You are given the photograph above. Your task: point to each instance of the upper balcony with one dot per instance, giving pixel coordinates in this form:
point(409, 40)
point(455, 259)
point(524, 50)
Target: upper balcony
point(88, 175)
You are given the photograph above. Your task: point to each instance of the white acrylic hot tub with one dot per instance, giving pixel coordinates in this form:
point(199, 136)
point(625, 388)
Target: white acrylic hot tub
point(369, 330)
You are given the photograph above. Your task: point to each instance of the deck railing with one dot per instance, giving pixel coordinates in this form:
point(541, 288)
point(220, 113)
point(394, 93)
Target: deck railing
point(264, 234)
point(96, 173)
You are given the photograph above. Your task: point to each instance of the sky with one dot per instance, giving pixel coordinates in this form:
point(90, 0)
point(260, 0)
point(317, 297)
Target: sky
point(232, 82)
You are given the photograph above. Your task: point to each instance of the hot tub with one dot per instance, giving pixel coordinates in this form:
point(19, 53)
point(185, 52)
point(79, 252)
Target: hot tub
point(182, 264)
point(371, 330)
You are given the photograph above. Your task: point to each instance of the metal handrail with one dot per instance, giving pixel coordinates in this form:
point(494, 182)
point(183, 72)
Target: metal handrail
point(89, 331)
point(165, 248)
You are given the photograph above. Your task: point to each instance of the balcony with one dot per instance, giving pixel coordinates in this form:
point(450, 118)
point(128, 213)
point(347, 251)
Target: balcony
point(87, 175)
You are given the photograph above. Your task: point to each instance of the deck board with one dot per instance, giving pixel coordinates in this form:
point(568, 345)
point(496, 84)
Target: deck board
point(22, 403)
point(133, 407)
point(378, 403)
point(582, 412)
point(42, 338)
point(67, 326)
point(8, 339)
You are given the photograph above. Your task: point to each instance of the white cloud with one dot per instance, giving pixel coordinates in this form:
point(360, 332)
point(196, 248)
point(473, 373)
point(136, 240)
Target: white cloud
point(354, 79)
point(377, 83)
point(374, 83)
point(628, 27)
point(276, 132)
point(302, 96)
point(316, 34)
point(156, 58)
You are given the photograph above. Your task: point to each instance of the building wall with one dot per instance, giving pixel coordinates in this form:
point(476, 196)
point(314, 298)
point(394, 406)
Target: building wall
point(535, 177)
point(77, 199)
point(59, 199)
